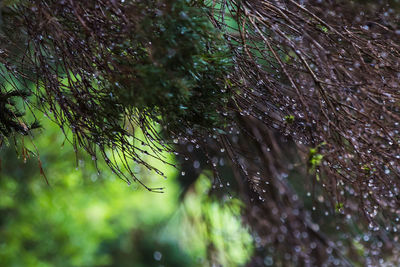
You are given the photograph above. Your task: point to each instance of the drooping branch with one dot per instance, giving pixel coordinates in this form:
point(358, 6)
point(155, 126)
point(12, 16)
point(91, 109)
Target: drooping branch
point(105, 69)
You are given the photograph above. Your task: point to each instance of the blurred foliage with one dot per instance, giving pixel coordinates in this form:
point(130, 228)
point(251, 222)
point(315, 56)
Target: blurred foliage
point(88, 219)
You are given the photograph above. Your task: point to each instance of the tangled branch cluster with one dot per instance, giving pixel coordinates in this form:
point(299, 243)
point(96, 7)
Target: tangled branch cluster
point(327, 76)
point(333, 84)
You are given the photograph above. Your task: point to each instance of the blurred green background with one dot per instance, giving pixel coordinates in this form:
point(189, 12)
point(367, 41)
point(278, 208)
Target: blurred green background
point(86, 218)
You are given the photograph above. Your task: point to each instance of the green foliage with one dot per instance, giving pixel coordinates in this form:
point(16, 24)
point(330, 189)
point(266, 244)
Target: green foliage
point(6, 3)
point(89, 219)
point(339, 207)
point(315, 158)
point(322, 28)
point(217, 222)
point(289, 118)
point(180, 68)
point(11, 118)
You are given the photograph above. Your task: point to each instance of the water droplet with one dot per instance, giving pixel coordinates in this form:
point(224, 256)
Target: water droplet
point(196, 164)
point(157, 255)
point(268, 261)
